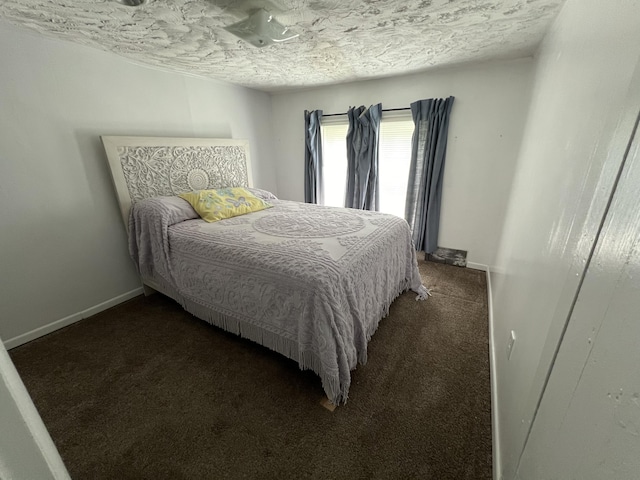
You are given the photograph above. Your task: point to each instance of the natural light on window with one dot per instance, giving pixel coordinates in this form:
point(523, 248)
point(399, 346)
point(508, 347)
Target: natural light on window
point(394, 161)
point(334, 163)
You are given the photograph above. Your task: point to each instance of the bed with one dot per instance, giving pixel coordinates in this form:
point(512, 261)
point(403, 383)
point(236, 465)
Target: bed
point(308, 281)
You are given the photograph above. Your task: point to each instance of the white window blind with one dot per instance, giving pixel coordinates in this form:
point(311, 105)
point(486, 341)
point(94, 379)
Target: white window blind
point(334, 162)
point(394, 161)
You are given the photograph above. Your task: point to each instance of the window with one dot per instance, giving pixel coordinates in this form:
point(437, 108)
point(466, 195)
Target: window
point(394, 160)
point(334, 162)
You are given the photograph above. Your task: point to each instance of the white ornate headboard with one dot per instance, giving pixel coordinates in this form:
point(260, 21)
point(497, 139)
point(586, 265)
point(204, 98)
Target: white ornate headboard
point(144, 167)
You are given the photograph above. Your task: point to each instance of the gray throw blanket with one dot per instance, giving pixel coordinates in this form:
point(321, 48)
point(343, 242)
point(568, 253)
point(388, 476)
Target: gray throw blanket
point(307, 281)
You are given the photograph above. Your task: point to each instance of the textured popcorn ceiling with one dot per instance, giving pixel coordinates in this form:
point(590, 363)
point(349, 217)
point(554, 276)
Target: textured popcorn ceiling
point(339, 41)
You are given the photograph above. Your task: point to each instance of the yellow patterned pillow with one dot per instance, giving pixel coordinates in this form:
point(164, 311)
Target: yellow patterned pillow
point(214, 205)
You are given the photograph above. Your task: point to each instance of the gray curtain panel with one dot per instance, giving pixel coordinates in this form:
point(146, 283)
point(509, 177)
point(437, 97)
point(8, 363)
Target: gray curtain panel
point(313, 157)
point(424, 190)
point(363, 139)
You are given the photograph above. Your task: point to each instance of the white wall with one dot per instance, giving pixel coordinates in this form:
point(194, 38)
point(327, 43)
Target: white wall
point(26, 449)
point(581, 119)
point(484, 137)
point(588, 424)
point(63, 246)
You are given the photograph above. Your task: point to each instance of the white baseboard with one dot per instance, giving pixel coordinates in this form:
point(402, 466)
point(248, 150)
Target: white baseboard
point(495, 430)
point(478, 266)
point(76, 317)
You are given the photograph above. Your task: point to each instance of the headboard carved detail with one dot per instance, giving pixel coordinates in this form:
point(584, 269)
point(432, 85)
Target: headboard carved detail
point(144, 167)
point(153, 171)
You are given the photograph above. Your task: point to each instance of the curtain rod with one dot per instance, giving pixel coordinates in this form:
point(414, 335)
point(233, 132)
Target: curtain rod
point(384, 110)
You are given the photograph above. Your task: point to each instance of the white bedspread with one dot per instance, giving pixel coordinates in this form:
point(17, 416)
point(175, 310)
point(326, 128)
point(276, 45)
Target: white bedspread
point(310, 282)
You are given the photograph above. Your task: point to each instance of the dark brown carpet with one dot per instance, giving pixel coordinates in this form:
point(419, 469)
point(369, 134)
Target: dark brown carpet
point(146, 391)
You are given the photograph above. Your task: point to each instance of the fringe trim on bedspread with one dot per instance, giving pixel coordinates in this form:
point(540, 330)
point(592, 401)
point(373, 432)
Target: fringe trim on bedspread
point(423, 293)
point(307, 360)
